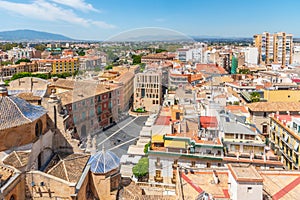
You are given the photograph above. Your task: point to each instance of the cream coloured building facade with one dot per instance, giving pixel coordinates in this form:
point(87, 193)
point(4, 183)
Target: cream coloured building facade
point(148, 90)
point(274, 48)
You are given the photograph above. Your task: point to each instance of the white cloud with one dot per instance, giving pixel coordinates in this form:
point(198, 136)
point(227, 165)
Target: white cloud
point(77, 4)
point(42, 10)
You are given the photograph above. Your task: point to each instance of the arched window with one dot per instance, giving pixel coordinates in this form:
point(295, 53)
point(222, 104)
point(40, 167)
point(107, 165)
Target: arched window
point(12, 197)
point(38, 128)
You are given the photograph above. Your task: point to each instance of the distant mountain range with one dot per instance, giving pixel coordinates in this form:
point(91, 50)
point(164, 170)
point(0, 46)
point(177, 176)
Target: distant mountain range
point(31, 35)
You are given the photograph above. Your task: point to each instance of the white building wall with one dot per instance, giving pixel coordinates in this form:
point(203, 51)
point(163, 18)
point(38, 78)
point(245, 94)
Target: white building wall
point(296, 55)
point(251, 55)
point(245, 191)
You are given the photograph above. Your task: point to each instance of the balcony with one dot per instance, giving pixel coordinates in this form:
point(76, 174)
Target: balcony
point(158, 179)
point(158, 165)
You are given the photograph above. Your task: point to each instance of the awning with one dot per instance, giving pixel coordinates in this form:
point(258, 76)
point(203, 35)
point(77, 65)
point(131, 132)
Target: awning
point(175, 144)
point(157, 138)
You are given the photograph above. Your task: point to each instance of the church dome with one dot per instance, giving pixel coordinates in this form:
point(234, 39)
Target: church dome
point(103, 162)
point(16, 112)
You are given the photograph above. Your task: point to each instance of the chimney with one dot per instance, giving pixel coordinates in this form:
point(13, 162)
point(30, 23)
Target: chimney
point(3, 89)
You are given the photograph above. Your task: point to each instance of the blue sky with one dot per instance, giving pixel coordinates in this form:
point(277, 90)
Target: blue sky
point(100, 19)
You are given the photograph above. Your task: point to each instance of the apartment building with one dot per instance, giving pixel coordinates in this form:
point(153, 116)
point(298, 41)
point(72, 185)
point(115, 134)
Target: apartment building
point(90, 62)
point(17, 53)
point(285, 139)
point(237, 137)
point(58, 66)
point(251, 55)
point(274, 48)
point(159, 57)
point(260, 111)
point(148, 90)
point(10, 70)
point(90, 107)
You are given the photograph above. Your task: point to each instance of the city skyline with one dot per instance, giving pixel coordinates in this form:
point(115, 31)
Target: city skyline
point(93, 20)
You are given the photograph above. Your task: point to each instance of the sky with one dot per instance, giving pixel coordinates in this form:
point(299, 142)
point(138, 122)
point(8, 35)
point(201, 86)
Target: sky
point(102, 19)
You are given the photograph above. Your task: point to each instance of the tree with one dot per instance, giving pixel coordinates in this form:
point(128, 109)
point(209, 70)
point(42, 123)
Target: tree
point(136, 59)
point(140, 170)
point(255, 97)
point(40, 47)
point(146, 148)
point(4, 63)
point(108, 67)
point(244, 71)
point(81, 52)
point(22, 60)
point(160, 50)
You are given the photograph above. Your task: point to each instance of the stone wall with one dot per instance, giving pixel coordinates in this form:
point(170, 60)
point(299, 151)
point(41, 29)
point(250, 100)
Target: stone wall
point(21, 135)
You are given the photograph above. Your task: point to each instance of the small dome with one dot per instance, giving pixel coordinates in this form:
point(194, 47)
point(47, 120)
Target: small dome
point(103, 162)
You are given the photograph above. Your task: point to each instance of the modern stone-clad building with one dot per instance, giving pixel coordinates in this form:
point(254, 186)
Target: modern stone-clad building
point(148, 90)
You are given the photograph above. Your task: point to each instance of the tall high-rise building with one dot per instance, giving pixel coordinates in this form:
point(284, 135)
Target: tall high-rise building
point(274, 48)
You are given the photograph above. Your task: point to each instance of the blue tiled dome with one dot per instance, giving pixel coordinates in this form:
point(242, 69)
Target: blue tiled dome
point(15, 112)
point(103, 162)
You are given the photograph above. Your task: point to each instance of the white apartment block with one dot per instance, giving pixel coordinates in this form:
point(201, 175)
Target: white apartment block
point(251, 55)
point(191, 54)
point(17, 53)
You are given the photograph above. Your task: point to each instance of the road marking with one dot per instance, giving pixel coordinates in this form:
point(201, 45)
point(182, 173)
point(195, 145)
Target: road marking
point(116, 132)
point(124, 143)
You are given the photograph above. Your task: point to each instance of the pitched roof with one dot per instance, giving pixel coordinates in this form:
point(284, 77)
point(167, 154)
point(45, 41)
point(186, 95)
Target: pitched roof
point(274, 106)
point(28, 96)
point(15, 112)
point(17, 159)
point(64, 83)
point(70, 167)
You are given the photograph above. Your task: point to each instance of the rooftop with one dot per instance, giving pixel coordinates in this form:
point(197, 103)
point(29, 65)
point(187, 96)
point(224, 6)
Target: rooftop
point(16, 112)
point(244, 173)
point(274, 106)
point(67, 167)
point(17, 159)
point(208, 122)
point(279, 184)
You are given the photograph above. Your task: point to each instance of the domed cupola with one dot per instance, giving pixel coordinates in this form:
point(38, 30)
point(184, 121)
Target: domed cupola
point(103, 162)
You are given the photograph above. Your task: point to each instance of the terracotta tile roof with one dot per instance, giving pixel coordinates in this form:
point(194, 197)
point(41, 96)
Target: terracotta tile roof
point(63, 83)
point(83, 91)
point(235, 108)
point(125, 77)
point(28, 83)
point(163, 120)
point(17, 159)
point(274, 106)
point(28, 96)
point(70, 167)
point(15, 112)
point(208, 122)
